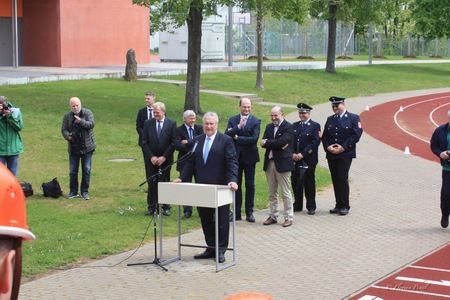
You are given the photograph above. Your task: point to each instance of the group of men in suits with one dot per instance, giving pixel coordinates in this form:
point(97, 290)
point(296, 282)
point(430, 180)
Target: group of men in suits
point(229, 158)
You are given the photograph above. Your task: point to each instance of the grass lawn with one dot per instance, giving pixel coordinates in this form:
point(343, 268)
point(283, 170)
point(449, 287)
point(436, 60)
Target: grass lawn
point(70, 231)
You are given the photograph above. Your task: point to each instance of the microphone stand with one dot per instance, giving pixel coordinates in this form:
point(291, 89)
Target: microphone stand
point(157, 176)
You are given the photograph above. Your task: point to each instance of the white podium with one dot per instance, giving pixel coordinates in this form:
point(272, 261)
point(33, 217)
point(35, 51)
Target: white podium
point(195, 194)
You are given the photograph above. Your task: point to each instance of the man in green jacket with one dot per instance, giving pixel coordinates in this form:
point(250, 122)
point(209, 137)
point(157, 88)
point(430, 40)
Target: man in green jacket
point(11, 145)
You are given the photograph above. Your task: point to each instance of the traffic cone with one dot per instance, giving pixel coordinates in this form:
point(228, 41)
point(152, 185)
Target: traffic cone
point(367, 107)
point(406, 150)
point(401, 108)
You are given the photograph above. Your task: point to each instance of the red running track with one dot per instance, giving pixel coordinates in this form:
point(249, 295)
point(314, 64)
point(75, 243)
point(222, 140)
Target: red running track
point(426, 279)
point(408, 122)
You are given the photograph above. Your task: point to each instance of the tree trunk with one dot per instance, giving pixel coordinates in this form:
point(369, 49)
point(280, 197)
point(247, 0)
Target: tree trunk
point(379, 44)
point(194, 24)
point(259, 31)
point(436, 47)
point(331, 53)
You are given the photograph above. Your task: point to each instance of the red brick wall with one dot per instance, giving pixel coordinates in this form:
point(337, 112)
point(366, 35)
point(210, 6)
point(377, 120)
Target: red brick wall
point(68, 33)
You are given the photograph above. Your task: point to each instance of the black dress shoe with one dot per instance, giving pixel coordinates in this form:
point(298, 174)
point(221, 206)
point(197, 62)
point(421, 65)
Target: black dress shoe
point(221, 258)
point(311, 212)
point(250, 218)
point(166, 212)
point(444, 221)
point(343, 211)
point(207, 254)
point(238, 218)
point(334, 210)
point(187, 215)
point(150, 212)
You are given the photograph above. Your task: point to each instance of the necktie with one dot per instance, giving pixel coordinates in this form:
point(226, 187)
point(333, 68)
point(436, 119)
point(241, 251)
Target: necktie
point(159, 128)
point(191, 133)
point(207, 147)
point(275, 129)
point(150, 113)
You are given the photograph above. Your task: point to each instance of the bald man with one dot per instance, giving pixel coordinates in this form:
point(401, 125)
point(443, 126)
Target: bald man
point(78, 129)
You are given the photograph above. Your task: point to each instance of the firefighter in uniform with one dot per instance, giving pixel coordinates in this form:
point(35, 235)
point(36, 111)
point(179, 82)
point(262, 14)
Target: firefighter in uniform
point(341, 133)
point(305, 154)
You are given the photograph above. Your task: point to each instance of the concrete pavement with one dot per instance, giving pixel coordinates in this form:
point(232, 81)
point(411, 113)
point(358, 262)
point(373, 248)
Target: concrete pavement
point(394, 220)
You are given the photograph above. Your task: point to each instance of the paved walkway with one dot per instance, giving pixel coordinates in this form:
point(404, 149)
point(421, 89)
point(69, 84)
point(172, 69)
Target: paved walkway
point(394, 220)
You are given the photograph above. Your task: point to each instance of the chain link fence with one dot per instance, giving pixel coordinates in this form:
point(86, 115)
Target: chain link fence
point(283, 38)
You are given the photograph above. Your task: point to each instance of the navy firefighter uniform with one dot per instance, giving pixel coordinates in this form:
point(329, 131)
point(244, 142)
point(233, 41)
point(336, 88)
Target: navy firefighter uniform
point(341, 133)
point(305, 148)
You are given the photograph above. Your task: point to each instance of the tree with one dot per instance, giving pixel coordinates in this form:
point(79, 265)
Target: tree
point(360, 11)
point(432, 19)
point(295, 10)
point(176, 13)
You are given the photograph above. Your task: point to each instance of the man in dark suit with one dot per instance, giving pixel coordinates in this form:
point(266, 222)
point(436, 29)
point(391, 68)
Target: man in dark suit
point(143, 115)
point(278, 164)
point(341, 133)
point(184, 141)
point(158, 139)
point(244, 129)
point(306, 144)
point(213, 162)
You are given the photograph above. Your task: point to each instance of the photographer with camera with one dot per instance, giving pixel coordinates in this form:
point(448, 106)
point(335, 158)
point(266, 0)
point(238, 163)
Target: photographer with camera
point(78, 129)
point(440, 146)
point(11, 145)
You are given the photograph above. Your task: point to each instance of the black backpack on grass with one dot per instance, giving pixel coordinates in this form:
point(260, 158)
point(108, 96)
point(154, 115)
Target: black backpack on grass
point(52, 189)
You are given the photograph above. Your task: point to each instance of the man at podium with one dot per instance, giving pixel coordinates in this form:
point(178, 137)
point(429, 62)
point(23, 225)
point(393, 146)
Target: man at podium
point(214, 162)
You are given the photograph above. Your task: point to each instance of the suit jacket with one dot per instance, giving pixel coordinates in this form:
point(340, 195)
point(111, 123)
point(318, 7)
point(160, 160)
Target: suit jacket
point(163, 145)
point(142, 116)
point(247, 138)
point(221, 166)
point(282, 157)
point(307, 141)
point(181, 133)
point(439, 142)
point(345, 131)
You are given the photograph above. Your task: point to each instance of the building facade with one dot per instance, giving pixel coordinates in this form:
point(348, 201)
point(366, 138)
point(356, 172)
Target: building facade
point(68, 33)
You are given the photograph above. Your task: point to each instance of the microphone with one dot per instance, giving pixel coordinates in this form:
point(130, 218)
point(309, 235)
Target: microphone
point(193, 148)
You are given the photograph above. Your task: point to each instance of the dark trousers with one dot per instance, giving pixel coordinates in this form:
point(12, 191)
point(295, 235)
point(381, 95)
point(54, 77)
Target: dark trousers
point(152, 194)
point(248, 170)
point(187, 208)
point(445, 192)
point(208, 224)
point(339, 169)
point(306, 183)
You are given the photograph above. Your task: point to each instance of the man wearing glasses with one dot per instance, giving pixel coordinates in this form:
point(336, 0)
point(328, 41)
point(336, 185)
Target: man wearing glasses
point(341, 133)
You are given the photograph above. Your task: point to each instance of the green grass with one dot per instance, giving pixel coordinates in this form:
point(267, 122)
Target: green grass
point(69, 231)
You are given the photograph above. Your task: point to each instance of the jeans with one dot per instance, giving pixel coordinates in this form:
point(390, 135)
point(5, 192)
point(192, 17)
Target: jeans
point(11, 162)
point(86, 163)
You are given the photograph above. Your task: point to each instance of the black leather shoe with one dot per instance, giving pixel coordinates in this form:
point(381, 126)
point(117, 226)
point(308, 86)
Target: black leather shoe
point(150, 212)
point(207, 254)
point(250, 218)
point(221, 258)
point(334, 210)
point(187, 215)
point(311, 212)
point(166, 212)
point(238, 218)
point(343, 211)
point(444, 221)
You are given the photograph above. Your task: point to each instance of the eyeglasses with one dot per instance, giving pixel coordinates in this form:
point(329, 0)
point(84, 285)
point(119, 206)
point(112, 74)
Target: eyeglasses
point(335, 105)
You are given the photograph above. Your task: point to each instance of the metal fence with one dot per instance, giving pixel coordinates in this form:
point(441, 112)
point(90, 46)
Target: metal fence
point(283, 38)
